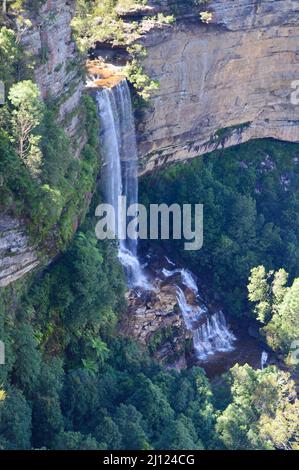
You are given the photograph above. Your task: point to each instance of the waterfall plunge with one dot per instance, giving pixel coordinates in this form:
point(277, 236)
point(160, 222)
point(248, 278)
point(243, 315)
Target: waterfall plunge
point(119, 173)
point(213, 336)
point(120, 178)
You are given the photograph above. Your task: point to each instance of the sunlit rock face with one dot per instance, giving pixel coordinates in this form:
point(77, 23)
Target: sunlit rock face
point(235, 73)
point(58, 68)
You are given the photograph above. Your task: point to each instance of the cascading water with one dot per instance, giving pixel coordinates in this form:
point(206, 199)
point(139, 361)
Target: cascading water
point(119, 173)
point(120, 178)
point(189, 281)
point(191, 314)
point(264, 359)
point(213, 336)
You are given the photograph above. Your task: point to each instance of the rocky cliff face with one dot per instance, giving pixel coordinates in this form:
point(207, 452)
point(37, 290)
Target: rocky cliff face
point(155, 321)
point(221, 83)
point(58, 73)
point(17, 257)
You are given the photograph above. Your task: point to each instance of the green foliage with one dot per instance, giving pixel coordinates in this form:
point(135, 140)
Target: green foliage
point(260, 400)
point(277, 306)
point(10, 56)
point(47, 418)
point(84, 387)
point(250, 215)
point(258, 289)
point(19, 6)
point(50, 189)
point(27, 363)
point(15, 421)
point(75, 384)
point(26, 116)
point(100, 22)
point(76, 441)
point(141, 81)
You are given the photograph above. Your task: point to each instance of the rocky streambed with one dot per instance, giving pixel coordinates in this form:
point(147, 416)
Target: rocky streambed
point(181, 326)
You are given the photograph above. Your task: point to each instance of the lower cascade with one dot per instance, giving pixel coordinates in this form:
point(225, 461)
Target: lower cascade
point(120, 178)
point(213, 334)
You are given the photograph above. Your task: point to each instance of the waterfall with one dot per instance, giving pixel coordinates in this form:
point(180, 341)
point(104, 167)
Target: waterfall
point(168, 273)
point(264, 359)
point(213, 336)
point(120, 178)
point(186, 276)
point(119, 171)
point(191, 314)
point(188, 281)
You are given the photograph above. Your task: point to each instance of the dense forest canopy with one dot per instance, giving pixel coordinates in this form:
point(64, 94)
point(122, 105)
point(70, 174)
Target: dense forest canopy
point(251, 207)
point(74, 382)
point(72, 379)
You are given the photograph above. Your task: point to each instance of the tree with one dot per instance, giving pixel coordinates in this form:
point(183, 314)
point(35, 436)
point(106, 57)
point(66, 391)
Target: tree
point(277, 306)
point(279, 285)
point(283, 328)
point(180, 434)
point(130, 423)
point(258, 289)
point(150, 400)
point(260, 400)
point(80, 399)
point(26, 116)
point(15, 420)
point(47, 419)
point(76, 441)
point(282, 431)
point(28, 359)
point(10, 55)
point(109, 433)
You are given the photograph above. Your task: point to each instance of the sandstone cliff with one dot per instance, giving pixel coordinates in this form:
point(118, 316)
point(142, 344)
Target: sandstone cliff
point(58, 69)
point(221, 83)
point(58, 73)
point(234, 73)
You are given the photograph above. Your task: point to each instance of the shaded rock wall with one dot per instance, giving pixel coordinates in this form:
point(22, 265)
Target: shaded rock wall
point(17, 257)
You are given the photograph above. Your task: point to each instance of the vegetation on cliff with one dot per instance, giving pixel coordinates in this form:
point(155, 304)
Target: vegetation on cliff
point(37, 156)
point(72, 382)
point(250, 213)
point(276, 307)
